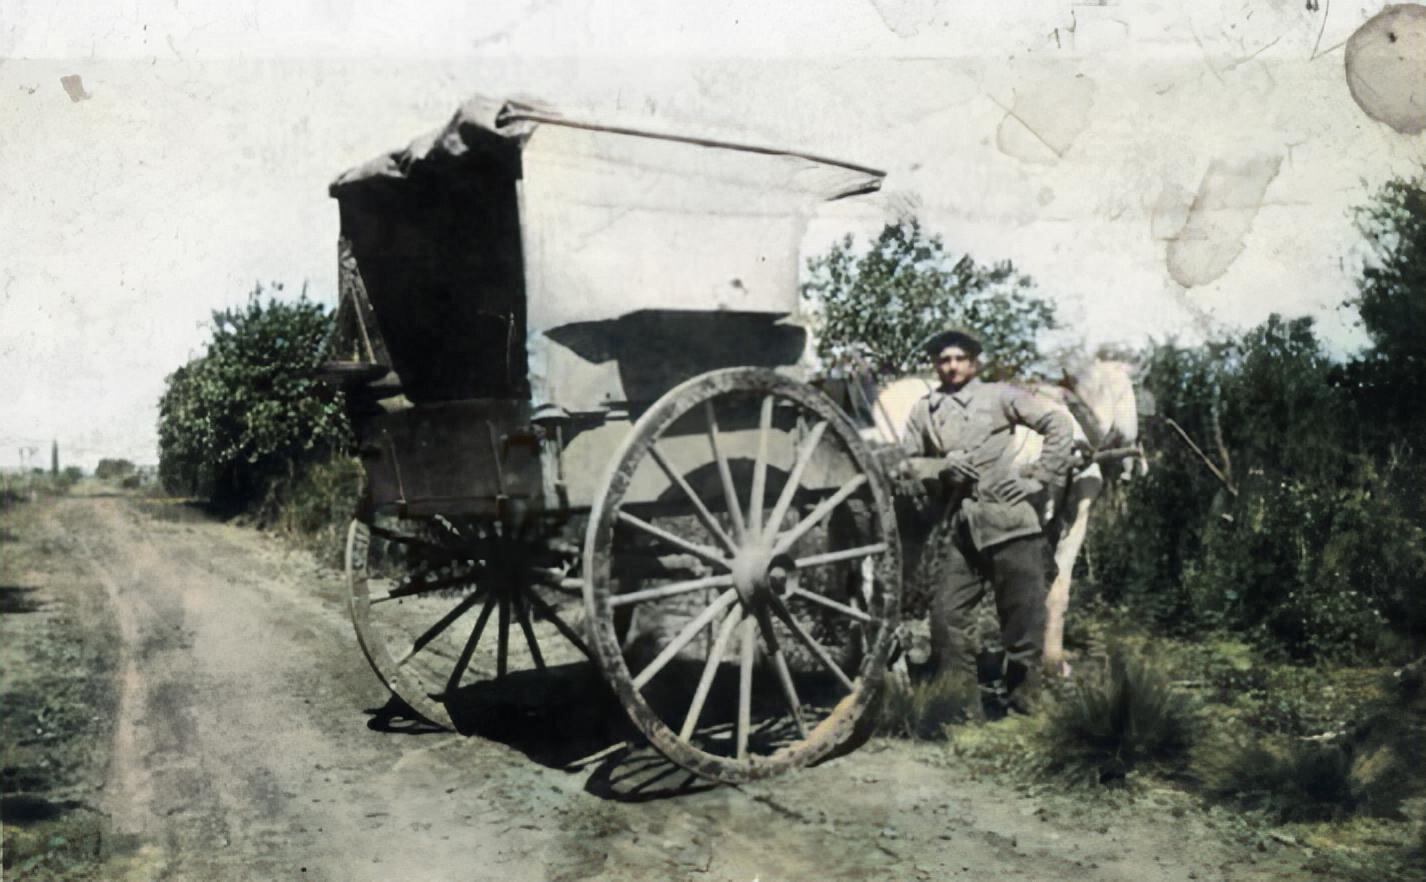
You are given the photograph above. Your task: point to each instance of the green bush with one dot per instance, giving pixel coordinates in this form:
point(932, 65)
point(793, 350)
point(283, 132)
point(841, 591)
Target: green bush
point(1142, 540)
point(316, 506)
point(250, 411)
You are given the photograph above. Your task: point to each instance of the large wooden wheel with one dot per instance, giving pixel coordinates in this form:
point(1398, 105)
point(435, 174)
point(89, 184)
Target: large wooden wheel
point(451, 608)
point(764, 649)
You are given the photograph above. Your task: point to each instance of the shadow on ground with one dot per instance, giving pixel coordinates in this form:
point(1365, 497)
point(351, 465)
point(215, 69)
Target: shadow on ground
point(567, 717)
point(16, 599)
point(23, 809)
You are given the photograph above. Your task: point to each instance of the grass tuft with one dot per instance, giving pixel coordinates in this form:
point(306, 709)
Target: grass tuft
point(1127, 717)
point(1291, 779)
point(923, 710)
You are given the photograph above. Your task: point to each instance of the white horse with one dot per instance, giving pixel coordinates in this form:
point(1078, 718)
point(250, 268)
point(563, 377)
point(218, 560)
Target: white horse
point(1099, 399)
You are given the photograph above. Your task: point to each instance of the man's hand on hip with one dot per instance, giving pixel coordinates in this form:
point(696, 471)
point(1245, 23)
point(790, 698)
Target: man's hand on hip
point(1013, 490)
point(962, 470)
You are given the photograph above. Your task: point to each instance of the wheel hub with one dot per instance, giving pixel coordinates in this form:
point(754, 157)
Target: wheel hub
point(757, 575)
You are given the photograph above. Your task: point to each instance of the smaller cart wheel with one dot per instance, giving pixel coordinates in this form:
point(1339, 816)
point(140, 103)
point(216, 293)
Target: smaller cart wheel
point(798, 616)
point(442, 623)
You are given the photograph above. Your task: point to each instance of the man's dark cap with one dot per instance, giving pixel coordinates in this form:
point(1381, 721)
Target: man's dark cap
point(961, 339)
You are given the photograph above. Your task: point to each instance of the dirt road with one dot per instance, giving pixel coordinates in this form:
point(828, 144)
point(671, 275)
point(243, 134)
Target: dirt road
point(250, 741)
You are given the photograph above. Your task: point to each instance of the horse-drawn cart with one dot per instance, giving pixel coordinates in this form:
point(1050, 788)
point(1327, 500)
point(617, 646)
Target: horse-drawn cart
point(571, 356)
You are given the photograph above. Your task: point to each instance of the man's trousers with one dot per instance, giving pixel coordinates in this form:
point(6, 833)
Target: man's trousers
point(1015, 571)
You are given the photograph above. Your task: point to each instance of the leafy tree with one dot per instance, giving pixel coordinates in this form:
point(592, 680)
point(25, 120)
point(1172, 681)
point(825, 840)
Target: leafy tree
point(1385, 382)
point(888, 299)
point(250, 410)
point(1391, 303)
point(1280, 411)
point(1392, 287)
point(113, 468)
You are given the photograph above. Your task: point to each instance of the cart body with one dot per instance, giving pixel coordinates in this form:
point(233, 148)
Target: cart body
point(531, 284)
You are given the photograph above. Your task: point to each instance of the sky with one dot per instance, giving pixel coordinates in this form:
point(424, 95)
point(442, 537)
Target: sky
point(1159, 170)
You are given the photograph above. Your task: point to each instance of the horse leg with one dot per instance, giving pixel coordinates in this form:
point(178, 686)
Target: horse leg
point(1082, 494)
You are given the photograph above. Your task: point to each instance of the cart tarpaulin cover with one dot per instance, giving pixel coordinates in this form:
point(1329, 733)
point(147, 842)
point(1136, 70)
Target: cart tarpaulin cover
point(571, 254)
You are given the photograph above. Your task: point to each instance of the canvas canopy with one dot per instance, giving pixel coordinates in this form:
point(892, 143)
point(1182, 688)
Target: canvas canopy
point(518, 253)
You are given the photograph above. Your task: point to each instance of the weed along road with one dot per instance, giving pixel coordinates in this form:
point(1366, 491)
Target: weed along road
point(244, 737)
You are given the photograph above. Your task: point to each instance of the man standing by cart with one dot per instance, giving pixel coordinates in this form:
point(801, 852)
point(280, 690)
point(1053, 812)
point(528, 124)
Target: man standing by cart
point(995, 536)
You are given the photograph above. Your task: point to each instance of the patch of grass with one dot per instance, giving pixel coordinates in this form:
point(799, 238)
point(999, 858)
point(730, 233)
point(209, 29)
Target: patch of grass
point(923, 710)
point(1237, 682)
point(1370, 769)
point(1013, 745)
point(64, 846)
point(1289, 779)
point(1128, 716)
point(1364, 850)
point(58, 654)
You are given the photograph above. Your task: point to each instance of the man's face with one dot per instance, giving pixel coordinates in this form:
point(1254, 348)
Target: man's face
point(955, 367)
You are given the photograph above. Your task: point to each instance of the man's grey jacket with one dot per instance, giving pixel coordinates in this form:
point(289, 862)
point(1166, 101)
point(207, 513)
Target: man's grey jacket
point(979, 420)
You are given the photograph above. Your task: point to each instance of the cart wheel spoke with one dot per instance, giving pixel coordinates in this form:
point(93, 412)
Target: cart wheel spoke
point(745, 686)
point(522, 615)
point(462, 663)
point(703, 552)
point(789, 691)
point(421, 648)
point(502, 636)
point(829, 603)
point(710, 670)
point(817, 515)
point(725, 473)
point(690, 630)
point(816, 648)
point(794, 477)
point(755, 498)
point(779, 664)
point(699, 507)
point(672, 589)
point(438, 628)
point(548, 613)
point(830, 557)
point(415, 587)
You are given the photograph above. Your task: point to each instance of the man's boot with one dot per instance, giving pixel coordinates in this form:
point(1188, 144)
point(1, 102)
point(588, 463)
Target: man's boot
point(1024, 681)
